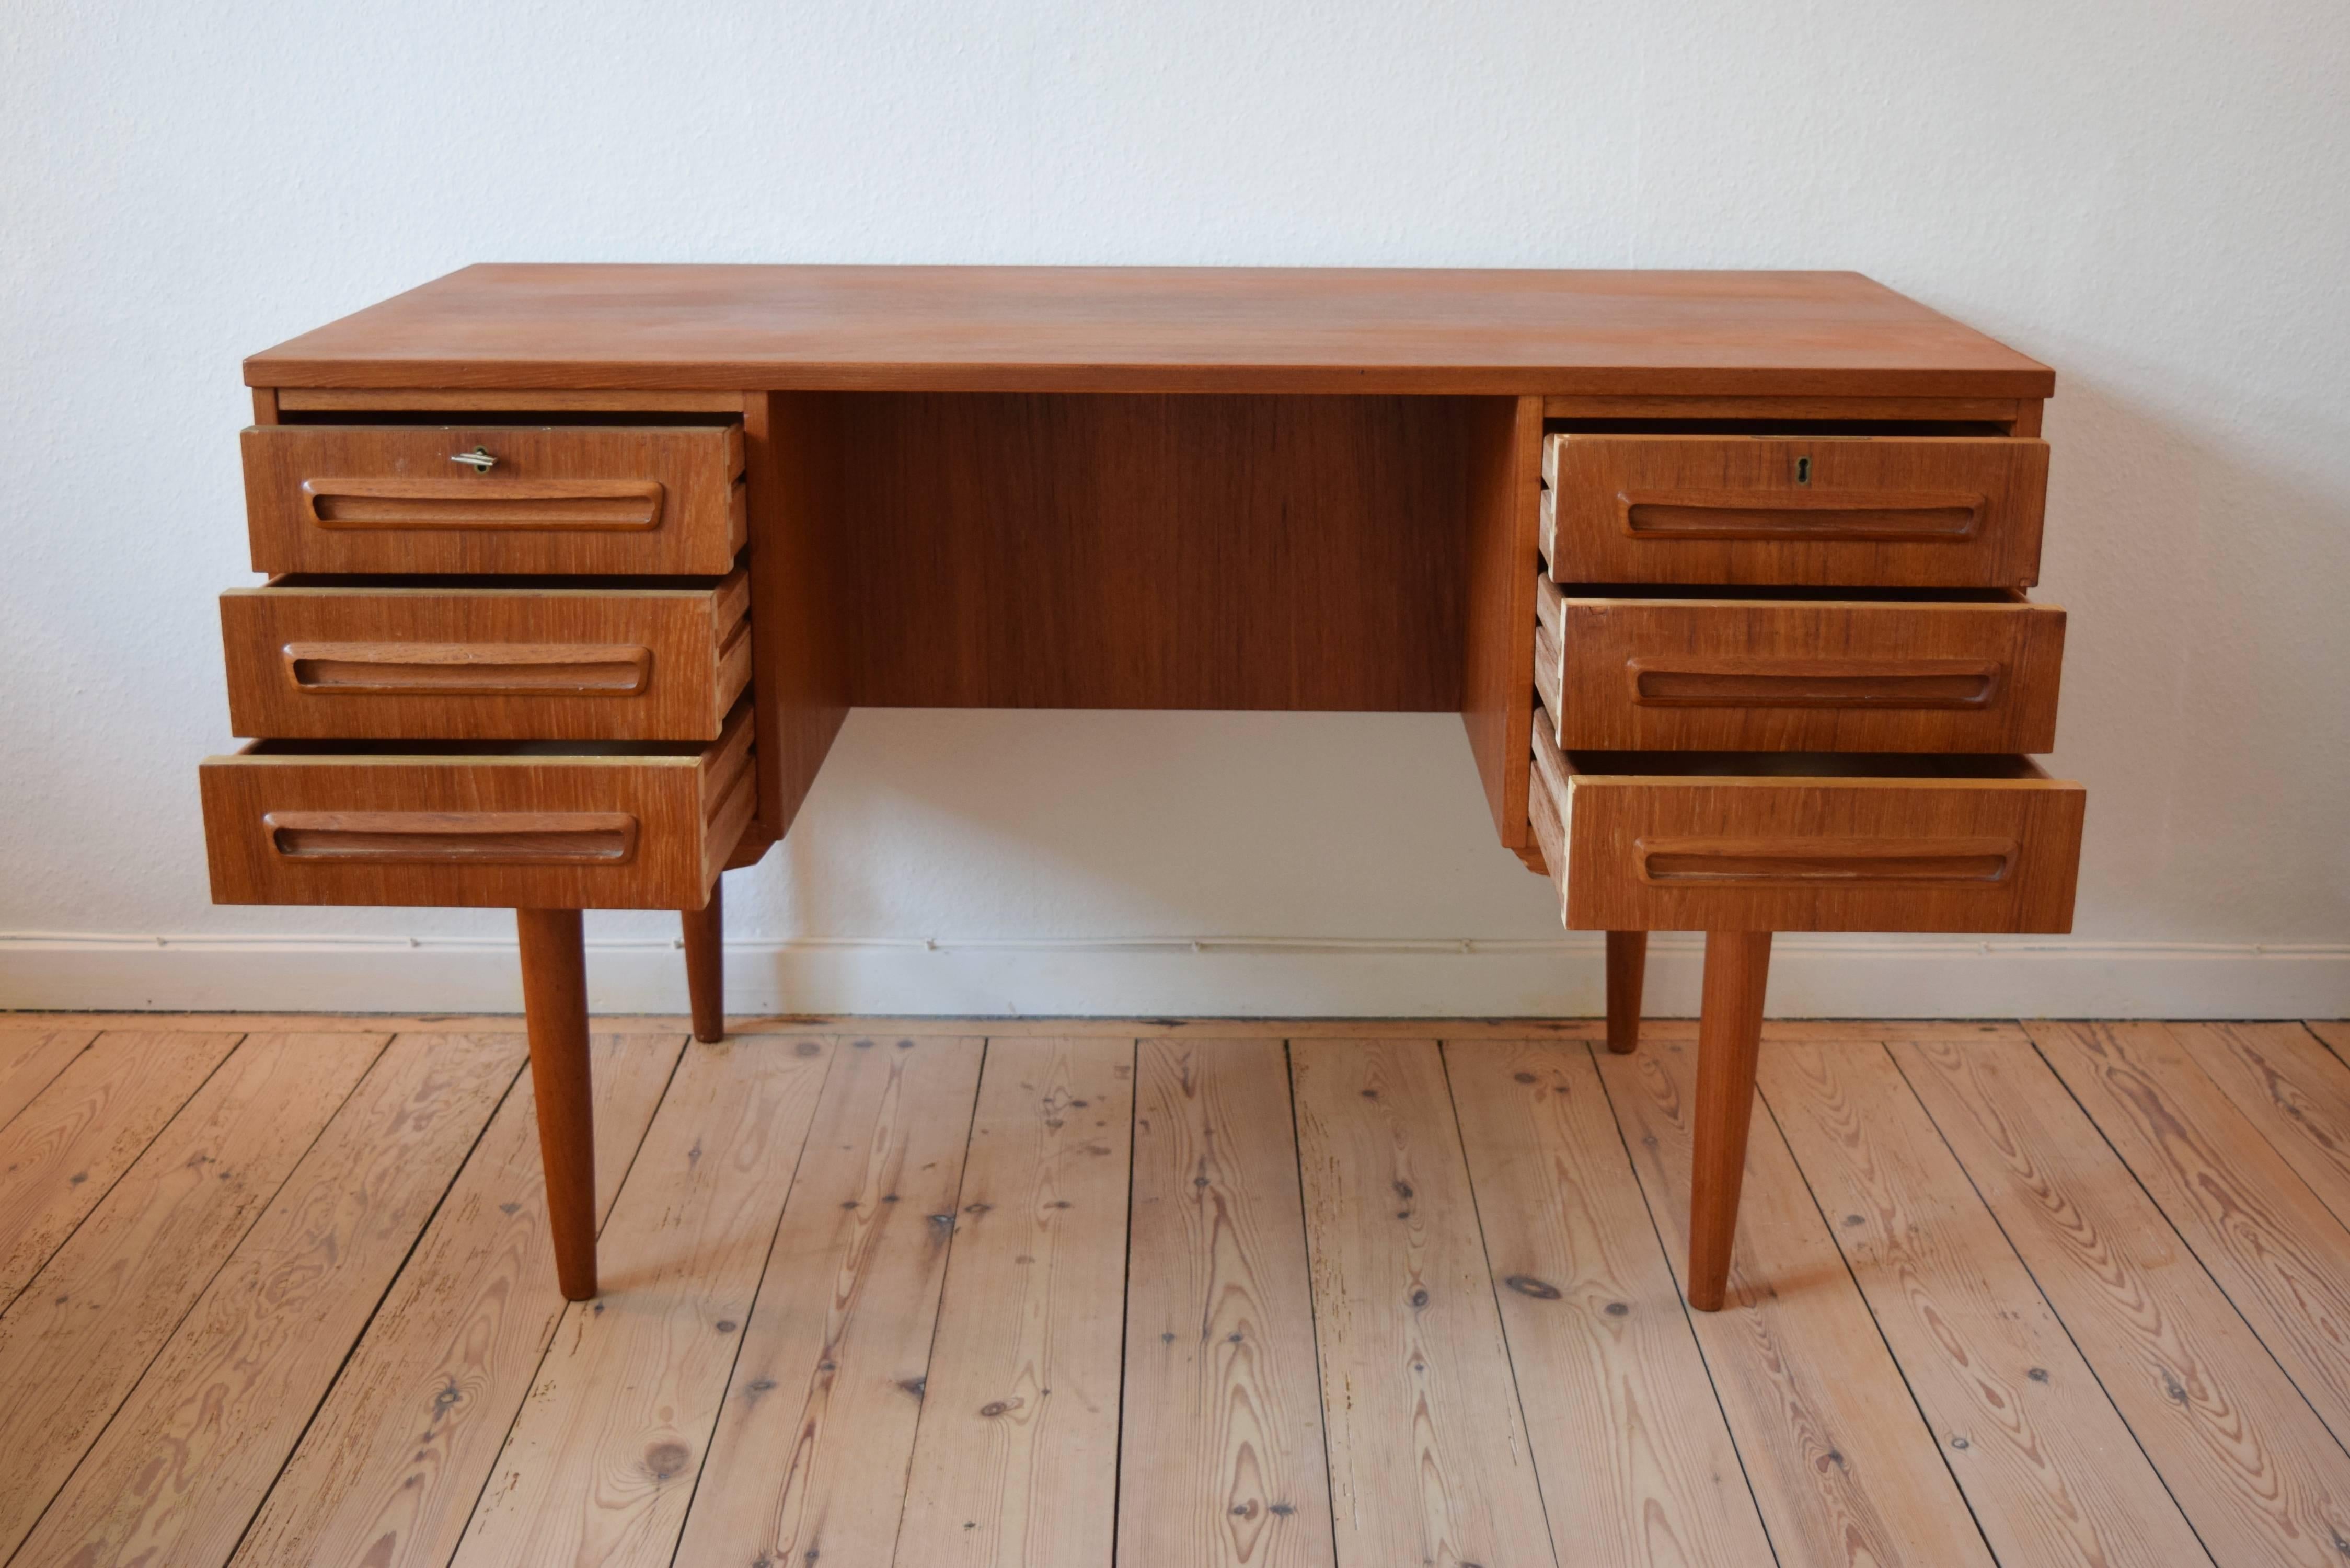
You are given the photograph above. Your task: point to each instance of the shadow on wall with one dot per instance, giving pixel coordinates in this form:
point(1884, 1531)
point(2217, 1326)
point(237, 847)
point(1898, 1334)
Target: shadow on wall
point(1089, 824)
point(2207, 671)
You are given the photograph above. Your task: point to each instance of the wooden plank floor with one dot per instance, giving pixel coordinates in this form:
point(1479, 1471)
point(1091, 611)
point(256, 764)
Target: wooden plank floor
point(1172, 1294)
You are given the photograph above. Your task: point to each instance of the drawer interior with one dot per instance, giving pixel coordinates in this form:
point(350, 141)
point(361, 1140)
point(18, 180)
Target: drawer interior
point(521, 749)
point(508, 419)
point(1803, 764)
point(1775, 427)
point(1701, 593)
point(483, 582)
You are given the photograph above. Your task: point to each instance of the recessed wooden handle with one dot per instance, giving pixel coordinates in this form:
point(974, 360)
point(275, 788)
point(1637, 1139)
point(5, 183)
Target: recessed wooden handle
point(455, 838)
point(1762, 683)
point(1837, 516)
point(1812, 862)
point(470, 668)
point(555, 505)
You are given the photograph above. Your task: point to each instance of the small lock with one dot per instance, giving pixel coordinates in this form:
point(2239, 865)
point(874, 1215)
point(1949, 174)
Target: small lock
point(1803, 470)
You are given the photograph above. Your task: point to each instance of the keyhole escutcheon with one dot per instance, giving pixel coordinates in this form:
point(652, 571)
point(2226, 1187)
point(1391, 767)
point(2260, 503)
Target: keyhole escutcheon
point(1803, 470)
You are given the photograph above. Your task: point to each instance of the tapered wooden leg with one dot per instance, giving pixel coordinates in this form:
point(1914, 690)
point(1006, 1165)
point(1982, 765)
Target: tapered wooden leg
point(1627, 966)
point(1729, 1032)
point(555, 997)
point(705, 966)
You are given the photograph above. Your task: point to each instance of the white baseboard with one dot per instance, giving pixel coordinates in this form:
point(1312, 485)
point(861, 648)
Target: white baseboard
point(1811, 977)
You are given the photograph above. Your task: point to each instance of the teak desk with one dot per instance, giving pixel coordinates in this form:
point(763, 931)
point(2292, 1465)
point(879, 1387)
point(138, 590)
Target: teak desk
point(576, 570)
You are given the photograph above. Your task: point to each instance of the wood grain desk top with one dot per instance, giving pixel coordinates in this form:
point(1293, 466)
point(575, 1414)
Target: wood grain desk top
point(918, 328)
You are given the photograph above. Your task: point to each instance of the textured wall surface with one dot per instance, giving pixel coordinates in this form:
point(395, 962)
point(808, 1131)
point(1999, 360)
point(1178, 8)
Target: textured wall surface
point(2156, 200)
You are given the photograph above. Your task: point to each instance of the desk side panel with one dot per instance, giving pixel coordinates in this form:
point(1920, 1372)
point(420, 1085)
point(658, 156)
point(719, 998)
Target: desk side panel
point(1505, 497)
point(791, 451)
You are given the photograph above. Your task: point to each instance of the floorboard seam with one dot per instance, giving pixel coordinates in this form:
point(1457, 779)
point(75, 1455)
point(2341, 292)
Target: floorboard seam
point(1124, 1293)
point(1312, 1318)
point(514, 1421)
point(390, 1284)
point(2088, 1364)
point(1664, 1248)
point(2342, 1214)
point(77, 1055)
point(1485, 1251)
point(946, 1266)
point(227, 1257)
point(2225, 1294)
point(2267, 1139)
point(743, 1334)
point(128, 1166)
point(2322, 1042)
point(1828, 1226)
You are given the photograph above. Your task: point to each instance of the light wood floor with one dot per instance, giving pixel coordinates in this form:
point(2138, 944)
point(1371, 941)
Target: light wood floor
point(1171, 1293)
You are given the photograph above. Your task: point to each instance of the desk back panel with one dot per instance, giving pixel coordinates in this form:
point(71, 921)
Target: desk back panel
point(1026, 550)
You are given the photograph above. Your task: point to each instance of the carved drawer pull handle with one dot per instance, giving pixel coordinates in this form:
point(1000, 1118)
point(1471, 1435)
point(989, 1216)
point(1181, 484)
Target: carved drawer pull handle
point(1804, 516)
point(469, 669)
point(1739, 682)
point(401, 502)
point(1825, 862)
point(479, 459)
point(455, 838)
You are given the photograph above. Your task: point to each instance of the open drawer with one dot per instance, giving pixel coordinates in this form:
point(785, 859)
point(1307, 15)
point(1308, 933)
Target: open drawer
point(1628, 668)
point(1895, 511)
point(641, 659)
point(1796, 841)
point(524, 824)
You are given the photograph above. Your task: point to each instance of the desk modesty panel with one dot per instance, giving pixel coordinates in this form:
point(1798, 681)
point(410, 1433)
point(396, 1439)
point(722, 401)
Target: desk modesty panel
point(578, 569)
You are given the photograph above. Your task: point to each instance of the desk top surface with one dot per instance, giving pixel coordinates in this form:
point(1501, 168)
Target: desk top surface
point(1242, 329)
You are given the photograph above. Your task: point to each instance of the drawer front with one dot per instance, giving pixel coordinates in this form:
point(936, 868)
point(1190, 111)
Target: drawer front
point(1892, 510)
point(478, 663)
point(530, 826)
point(1747, 675)
point(584, 498)
point(1811, 852)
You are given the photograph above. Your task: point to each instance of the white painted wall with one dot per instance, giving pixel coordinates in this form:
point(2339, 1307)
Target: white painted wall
point(2154, 199)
